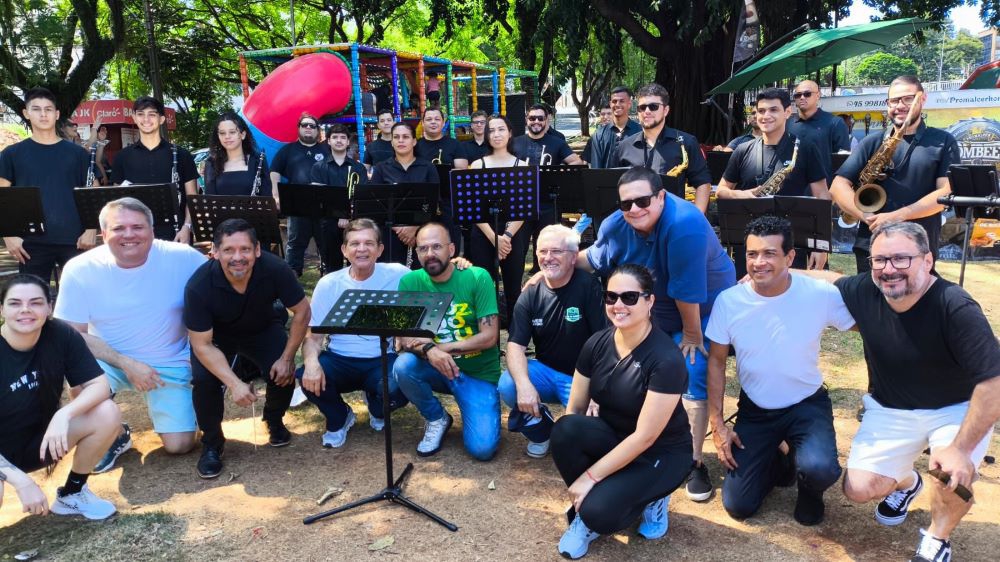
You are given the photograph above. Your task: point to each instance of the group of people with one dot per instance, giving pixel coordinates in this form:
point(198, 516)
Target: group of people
point(641, 379)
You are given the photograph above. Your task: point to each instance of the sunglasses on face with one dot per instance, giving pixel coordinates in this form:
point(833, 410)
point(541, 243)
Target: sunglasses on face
point(641, 202)
point(536, 118)
point(629, 298)
point(806, 95)
point(309, 125)
point(642, 107)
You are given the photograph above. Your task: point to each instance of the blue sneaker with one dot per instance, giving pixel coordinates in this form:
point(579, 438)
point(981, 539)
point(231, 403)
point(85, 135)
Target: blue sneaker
point(576, 540)
point(654, 519)
point(122, 443)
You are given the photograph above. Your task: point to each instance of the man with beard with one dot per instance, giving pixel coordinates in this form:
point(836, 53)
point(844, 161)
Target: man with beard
point(229, 310)
point(152, 160)
point(828, 130)
point(294, 162)
point(380, 148)
point(539, 145)
point(917, 178)
point(658, 147)
point(462, 359)
point(934, 370)
point(606, 139)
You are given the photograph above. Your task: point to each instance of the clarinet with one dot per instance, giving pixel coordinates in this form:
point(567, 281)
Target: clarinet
point(90, 169)
point(255, 192)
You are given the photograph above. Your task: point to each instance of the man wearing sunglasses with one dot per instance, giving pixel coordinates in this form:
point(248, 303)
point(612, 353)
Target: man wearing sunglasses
point(917, 178)
point(658, 147)
point(294, 164)
point(607, 138)
point(934, 368)
point(829, 131)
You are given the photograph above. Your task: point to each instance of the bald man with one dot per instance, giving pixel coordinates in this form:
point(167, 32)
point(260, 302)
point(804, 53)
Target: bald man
point(828, 130)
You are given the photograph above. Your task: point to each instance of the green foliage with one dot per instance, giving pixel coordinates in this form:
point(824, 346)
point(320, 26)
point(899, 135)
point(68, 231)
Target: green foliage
point(881, 68)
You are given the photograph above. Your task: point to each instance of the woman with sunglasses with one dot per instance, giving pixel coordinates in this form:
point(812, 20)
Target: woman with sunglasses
point(628, 459)
point(235, 167)
point(511, 245)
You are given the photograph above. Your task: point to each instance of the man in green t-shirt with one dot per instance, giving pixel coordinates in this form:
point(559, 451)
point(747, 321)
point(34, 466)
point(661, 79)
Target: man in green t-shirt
point(462, 359)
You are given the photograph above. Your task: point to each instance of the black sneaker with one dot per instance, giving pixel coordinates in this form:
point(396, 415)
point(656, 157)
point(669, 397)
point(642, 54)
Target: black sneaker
point(809, 508)
point(932, 549)
point(121, 444)
point(893, 509)
point(699, 484)
point(280, 436)
point(210, 463)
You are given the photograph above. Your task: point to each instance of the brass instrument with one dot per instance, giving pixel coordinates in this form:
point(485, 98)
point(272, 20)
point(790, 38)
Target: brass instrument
point(353, 178)
point(870, 197)
point(773, 183)
point(677, 170)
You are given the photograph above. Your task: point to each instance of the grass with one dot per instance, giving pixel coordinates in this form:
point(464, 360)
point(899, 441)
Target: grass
point(127, 537)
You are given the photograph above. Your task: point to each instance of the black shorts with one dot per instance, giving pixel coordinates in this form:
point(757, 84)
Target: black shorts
point(22, 449)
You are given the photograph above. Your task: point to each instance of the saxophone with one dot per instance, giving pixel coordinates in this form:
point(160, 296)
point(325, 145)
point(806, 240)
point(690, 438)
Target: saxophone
point(870, 197)
point(677, 170)
point(773, 183)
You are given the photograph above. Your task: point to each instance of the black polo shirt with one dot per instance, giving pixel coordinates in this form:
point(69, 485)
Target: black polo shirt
point(753, 163)
point(390, 171)
point(441, 151)
point(829, 131)
point(633, 151)
point(920, 159)
point(329, 172)
point(377, 151)
point(474, 151)
point(140, 165)
point(527, 148)
point(295, 160)
point(211, 303)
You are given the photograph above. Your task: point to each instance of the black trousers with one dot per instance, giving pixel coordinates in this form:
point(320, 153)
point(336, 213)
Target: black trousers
point(482, 253)
point(262, 350)
point(613, 503)
point(45, 258)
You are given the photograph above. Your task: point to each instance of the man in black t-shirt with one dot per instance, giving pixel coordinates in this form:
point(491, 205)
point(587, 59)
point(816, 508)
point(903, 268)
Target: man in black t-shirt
point(436, 146)
point(828, 130)
point(918, 174)
point(340, 171)
point(934, 369)
point(294, 163)
point(56, 166)
point(559, 315)
point(381, 148)
point(229, 310)
point(478, 146)
point(152, 160)
point(38, 356)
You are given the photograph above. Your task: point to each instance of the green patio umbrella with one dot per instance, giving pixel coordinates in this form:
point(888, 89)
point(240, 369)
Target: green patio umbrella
point(820, 48)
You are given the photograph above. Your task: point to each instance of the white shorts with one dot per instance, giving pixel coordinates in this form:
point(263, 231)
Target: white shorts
point(889, 440)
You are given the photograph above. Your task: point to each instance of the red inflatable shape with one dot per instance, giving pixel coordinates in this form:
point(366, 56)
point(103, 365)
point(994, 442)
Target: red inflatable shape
point(318, 83)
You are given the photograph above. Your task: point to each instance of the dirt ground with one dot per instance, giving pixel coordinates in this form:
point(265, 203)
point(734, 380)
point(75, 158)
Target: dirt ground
point(254, 511)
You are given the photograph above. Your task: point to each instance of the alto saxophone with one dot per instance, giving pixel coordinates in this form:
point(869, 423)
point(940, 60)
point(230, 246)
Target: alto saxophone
point(677, 170)
point(773, 183)
point(870, 197)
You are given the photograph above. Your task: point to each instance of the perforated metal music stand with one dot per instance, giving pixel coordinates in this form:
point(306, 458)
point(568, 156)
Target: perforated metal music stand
point(21, 212)
point(386, 314)
point(209, 211)
point(160, 198)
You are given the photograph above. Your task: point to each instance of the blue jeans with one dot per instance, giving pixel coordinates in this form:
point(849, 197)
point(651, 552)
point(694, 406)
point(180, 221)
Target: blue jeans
point(348, 374)
point(698, 372)
point(477, 400)
point(552, 385)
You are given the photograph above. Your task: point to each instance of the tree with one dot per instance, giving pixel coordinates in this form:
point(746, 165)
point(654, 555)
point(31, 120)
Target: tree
point(881, 68)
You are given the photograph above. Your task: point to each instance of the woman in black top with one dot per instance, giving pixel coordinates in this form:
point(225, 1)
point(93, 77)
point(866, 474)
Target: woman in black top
point(235, 165)
point(37, 357)
point(513, 240)
point(637, 451)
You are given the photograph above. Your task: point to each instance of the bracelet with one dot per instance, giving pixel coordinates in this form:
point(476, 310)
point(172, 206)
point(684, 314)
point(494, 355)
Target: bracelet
point(188, 225)
point(591, 476)
point(427, 347)
point(508, 234)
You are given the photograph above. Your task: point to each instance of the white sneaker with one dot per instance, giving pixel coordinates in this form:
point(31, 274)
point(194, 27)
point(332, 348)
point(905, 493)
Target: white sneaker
point(932, 549)
point(654, 519)
point(336, 439)
point(538, 450)
point(576, 540)
point(83, 503)
point(433, 436)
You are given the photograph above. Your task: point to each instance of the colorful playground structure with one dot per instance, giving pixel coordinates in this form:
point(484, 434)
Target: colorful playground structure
point(350, 82)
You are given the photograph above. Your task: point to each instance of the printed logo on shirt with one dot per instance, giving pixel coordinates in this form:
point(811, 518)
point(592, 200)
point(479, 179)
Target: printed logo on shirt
point(318, 157)
point(537, 322)
point(573, 314)
point(458, 325)
point(27, 380)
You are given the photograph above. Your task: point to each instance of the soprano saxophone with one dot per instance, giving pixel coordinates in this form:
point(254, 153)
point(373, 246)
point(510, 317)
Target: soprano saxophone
point(773, 183)
point(677, 170)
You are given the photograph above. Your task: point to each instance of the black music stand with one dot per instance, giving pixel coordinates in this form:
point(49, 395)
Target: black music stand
point(972, 187)
point(314, 201)
point(812, 227)
point(386, 314)
point(560, 184)
point(600, 193)
point(208, 211)
point(717, 161)
point(444, 177)
point(160, 198)
point(401, 204)
point(21, 212)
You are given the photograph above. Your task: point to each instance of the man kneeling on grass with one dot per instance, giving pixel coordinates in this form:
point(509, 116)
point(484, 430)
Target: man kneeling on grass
point(36, 356)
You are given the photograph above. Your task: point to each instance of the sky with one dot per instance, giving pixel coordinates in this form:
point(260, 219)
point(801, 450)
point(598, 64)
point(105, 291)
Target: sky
point(965, 17)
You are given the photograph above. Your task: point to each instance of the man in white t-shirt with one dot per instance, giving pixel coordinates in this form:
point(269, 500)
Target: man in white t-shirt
point(349, 363)
point(126, 298)
point(784, 424)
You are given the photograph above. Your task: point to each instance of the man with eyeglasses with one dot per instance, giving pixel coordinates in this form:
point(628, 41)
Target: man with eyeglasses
point(380, 148)
point(462, 359)
point(559, 314)
point(828, 130)
point(55, 166)
point(605, 141)
point(153, 160)
point(294, 164)
point(658, 147)
point(934, 369)
point(477, 146)
point(917, 178)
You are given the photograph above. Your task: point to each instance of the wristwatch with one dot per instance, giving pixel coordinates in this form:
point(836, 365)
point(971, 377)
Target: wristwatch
point(427, 347)
point(508, 234)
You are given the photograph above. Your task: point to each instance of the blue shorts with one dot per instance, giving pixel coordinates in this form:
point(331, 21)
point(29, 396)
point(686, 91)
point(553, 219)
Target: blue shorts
point(170, 407)
point(697, 372)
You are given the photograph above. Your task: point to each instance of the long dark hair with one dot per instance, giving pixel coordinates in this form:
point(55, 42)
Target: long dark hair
point(510, 130)
point(218, 152)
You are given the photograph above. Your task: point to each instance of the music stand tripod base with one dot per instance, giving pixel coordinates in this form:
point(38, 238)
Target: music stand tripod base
point(386, 314)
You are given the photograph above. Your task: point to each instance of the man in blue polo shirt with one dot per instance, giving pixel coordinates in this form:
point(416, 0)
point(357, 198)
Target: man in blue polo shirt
point(675, 241)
